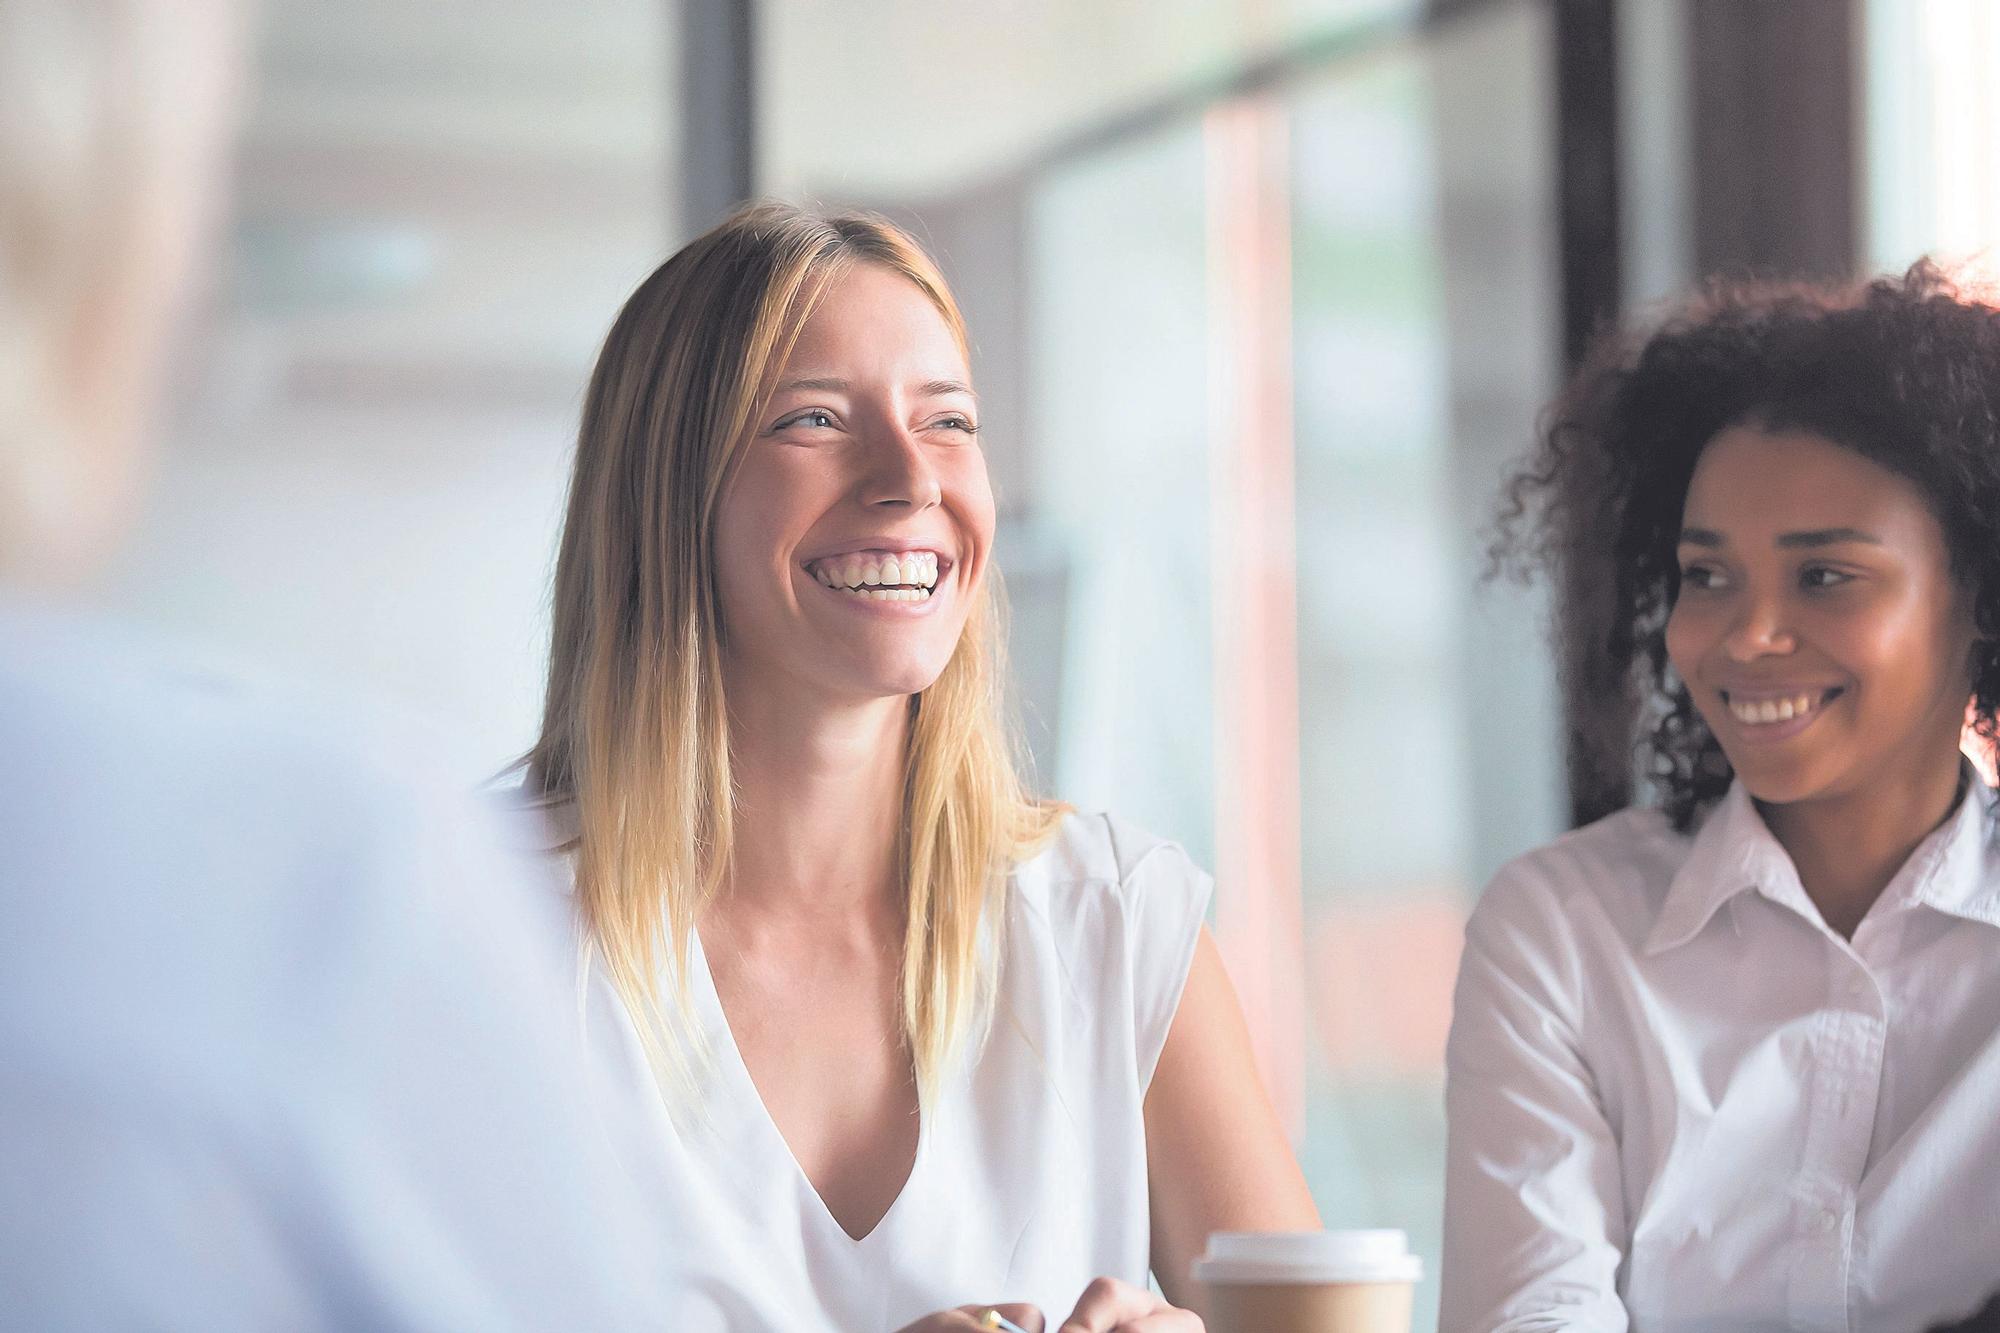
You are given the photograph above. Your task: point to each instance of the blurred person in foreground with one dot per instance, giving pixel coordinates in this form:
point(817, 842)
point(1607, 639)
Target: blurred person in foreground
point(284, 1041)
point(1730, 1059)
point(926, 1038)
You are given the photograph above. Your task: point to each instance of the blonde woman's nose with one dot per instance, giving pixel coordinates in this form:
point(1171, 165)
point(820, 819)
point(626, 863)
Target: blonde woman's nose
point(900, 472)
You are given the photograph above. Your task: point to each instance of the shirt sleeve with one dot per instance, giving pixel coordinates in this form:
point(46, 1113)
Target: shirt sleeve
point(1166, 900)
point(1534, 1209)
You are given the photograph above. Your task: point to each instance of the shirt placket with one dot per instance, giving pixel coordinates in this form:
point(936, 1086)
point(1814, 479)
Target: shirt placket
point(1844, 1060)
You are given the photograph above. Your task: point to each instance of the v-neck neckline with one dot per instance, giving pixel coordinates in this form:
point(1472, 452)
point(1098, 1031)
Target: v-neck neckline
point(738, 1070)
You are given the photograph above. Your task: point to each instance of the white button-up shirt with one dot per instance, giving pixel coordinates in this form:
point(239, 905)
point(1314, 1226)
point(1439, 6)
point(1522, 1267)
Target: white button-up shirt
point(1679, 1101)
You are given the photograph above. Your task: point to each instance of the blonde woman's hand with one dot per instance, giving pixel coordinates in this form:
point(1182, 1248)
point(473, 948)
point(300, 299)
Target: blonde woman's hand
point(1111, 1306)
point(967, 1318)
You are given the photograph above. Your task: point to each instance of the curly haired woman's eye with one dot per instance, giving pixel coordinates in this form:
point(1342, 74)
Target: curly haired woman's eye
point(1818, 578)
point(1701, 576)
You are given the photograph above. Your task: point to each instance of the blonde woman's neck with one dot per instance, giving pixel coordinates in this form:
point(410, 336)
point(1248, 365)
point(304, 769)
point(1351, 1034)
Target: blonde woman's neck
point(819, 808)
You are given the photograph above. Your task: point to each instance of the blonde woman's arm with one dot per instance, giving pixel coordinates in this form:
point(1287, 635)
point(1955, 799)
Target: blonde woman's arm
point(1216, 1155)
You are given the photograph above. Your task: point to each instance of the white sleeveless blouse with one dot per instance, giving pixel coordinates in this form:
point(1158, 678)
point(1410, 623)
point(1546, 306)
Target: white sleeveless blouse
point(1030, 1170)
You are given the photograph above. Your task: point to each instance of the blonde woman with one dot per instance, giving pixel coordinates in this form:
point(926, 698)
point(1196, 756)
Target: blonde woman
point(919, 1039)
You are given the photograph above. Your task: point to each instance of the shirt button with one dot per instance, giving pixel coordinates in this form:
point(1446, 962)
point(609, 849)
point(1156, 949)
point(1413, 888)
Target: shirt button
point(1825, 1221)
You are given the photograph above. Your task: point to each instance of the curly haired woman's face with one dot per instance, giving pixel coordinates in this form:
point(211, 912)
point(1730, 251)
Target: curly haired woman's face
point(852, 537)
point(1818, 624)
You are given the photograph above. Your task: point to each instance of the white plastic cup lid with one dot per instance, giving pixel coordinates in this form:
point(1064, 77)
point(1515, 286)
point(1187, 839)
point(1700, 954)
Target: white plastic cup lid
point(1308, 1256)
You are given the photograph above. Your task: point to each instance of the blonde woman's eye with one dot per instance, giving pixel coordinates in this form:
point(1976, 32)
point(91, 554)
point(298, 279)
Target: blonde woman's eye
point(816, 418)
point(956, 422)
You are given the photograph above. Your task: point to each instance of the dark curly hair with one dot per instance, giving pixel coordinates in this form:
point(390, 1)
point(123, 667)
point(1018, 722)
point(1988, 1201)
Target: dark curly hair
point(1903, 370)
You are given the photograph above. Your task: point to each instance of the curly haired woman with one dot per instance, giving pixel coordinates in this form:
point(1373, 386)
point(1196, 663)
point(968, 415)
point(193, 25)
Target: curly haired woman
point(1730, 1058)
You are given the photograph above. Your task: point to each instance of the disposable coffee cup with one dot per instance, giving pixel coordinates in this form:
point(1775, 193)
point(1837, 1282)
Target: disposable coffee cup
point(1309, 1281)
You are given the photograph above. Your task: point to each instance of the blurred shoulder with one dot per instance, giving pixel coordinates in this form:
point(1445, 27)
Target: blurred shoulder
point(141, 771)
point(97, 698)
point(540, 830)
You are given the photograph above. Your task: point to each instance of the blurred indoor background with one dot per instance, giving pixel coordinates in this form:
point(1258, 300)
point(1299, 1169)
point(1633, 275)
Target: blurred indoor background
point(1266, 293)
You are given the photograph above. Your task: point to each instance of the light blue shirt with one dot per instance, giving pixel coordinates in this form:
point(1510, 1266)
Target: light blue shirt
point(284, 1041)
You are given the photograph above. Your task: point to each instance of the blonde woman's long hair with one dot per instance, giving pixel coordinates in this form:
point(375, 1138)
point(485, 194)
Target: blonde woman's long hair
point(635, 731)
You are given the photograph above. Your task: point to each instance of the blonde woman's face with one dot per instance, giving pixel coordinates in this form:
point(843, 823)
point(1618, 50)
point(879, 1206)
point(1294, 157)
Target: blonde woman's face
point(853, 535)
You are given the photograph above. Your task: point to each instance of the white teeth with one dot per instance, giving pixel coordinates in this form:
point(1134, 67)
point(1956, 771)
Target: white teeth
point(890, 594)
point(912, 570)
point(1759, 712)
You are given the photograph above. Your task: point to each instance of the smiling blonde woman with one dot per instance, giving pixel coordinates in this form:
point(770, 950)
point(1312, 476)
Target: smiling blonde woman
point(920, 1039)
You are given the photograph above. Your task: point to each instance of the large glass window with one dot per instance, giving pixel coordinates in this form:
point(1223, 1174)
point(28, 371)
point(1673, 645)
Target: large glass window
point(1282, 353)
point(1424, 328)
point(1933, 131)
point(1118, 430)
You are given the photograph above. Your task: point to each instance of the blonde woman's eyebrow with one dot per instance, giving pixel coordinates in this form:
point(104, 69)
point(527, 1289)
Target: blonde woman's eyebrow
point(834, 384)
point(823, 384)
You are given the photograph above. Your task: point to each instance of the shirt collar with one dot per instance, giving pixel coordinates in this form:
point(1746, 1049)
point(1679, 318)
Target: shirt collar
point(1955, 870)
point(1733, 852)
